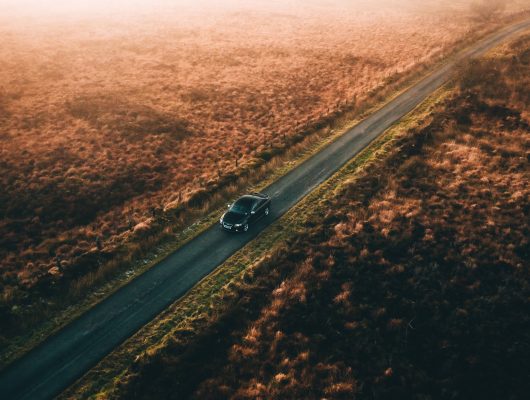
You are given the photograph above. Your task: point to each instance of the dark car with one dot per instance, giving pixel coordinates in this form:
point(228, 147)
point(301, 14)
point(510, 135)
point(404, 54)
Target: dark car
point(244, 211)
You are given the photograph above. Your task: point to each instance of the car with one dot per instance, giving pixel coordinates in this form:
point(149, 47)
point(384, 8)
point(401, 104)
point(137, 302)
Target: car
point(245, 211)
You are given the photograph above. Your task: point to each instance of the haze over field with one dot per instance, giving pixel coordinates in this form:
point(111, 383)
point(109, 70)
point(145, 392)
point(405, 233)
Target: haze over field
point(113, 112)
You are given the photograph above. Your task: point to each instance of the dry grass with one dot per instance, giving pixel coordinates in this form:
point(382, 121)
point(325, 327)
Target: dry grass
point(111, 134)
point(413, 285)
point(216, 293)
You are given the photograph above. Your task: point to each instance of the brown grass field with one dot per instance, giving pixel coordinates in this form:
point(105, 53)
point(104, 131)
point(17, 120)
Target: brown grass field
point(108, 122)
point(415, 284)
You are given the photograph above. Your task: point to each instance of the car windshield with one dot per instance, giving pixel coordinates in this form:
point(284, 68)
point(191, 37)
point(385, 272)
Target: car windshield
point(242, 206)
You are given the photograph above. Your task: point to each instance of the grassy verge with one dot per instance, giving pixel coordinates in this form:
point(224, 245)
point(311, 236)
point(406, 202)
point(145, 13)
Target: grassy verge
point(208, 297)
point(106, 280)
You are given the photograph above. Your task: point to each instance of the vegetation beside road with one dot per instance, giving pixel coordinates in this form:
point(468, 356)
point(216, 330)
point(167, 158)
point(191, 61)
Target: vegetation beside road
point(216, 292)
point(414, 282)
point(31, 316)
point(101, 164)
point(106, 146)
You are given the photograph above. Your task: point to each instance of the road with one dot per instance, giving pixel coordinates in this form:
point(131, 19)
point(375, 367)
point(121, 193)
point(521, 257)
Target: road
point(61, 359)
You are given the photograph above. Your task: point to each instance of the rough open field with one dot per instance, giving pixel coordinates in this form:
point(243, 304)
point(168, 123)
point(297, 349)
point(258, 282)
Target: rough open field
point(415, 285)
point(107, 121)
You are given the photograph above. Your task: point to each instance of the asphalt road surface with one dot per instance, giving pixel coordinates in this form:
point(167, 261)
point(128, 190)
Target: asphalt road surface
point(54, 365)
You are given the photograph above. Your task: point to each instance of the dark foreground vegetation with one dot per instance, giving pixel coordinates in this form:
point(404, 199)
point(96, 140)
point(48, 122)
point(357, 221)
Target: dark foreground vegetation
point(415, 285)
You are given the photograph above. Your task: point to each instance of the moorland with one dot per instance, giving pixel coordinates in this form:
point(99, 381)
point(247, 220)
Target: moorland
point(114, 127)
point(414, 284)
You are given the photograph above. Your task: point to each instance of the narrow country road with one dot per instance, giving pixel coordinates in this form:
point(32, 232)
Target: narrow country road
point(60, 360)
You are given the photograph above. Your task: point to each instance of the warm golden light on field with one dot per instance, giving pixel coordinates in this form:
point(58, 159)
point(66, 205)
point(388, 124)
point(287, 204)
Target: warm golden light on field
point(50, 7)
point(117, 115)
point(84, 8)
point(373, 155)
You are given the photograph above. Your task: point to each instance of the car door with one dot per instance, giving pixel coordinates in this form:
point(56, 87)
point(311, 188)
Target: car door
point(256, 210)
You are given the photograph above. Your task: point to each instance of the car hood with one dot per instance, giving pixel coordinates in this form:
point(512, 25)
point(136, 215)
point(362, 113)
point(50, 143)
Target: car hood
point(234, 218)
